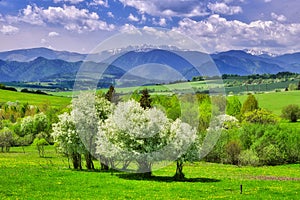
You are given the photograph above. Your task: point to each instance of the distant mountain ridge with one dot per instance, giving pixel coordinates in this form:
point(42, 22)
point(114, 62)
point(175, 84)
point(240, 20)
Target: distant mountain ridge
point(26, 55)
point(42, 64)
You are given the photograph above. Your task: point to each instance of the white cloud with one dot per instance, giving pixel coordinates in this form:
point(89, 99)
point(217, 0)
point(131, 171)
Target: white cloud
point(70, 17)
point(44, 41)
point(280, 18)
point(144, 19)
point(100, 2)
point(110, 14)
point(53, 34)
point(70, 1)
point(219, 34)
point(9, 30)
point(168, 8)
point(222, 8)
point(267, 1)
point(160, 22)
point(129, 28)
point(133, 18)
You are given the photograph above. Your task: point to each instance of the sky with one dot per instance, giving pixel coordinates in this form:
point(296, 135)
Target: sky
point(217, 25)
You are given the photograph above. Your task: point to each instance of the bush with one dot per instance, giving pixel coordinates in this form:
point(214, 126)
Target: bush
point(291, 112)
point(6, 139)
point(39, 144)
point(250, 104)
point(260, 116)
point(271, 155)
point(233, 106)
point(233, 150)
point(248, 157)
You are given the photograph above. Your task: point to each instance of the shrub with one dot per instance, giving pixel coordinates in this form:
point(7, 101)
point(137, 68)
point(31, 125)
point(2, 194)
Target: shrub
point(233, 150)
point(6, 139)
point(248, 157)
point(260, 116)
point(233, 106)
point(250, 104)
point(292, 87)
point(271, 155)
point(39, 144)
point(291, 112)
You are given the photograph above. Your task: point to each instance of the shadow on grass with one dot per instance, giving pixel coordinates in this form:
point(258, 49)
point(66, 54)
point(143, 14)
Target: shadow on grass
point(165, 178)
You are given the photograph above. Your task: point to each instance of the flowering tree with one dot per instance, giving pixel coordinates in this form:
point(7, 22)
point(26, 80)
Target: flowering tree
point(130, 130)
point(67, 137)
point(146, 136)
point(185, 145)
point(88, 110)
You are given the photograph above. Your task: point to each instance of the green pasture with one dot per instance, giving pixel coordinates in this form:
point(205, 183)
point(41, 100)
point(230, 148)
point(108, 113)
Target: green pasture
point(275, 101)
point(27, 176)
point(33, 99)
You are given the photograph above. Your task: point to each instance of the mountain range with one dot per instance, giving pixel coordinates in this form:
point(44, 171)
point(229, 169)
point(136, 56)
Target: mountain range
point(42, 64)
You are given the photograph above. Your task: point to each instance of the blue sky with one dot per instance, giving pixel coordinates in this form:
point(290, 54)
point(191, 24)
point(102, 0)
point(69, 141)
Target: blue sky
point(218, 25)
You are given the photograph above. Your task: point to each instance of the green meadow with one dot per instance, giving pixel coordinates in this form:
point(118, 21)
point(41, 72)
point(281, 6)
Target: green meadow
point(275, 101)
point(27, 176)
point(33, 99)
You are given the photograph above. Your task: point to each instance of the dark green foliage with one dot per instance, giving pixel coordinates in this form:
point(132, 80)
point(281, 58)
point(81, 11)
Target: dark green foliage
point(145, 100)
point(111, 95)
point(250, 104)
point(291, 112)
point(233, 150)
point(3, 87)
point(33, 92)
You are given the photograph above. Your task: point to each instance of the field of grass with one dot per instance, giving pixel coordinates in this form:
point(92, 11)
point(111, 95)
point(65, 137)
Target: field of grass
point(27, 176)
point(275, 101)
point(33, 99)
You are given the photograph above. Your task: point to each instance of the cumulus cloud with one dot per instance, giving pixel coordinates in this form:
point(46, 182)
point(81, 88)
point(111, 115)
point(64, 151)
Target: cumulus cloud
point(160, 22)
point(168, 8)
point(219, 34)
point(100, 2)
point(129, 28)
point(133, 18)
point(53, 34)
point(70, 17)
point(110, 14)
point(9, 30)
point(222, 8)
point(70, 1)
point(280, 18)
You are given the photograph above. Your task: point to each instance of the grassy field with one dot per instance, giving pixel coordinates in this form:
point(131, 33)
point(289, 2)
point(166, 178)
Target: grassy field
point(27, 176)
point(33, 99)
point(275, 101)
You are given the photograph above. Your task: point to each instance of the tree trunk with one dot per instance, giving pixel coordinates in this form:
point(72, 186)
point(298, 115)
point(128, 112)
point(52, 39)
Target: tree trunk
point(126, 163)
point(104, 163)
point(76, 158)
point(89, 161)
point(144, 168)
point(179, 171)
